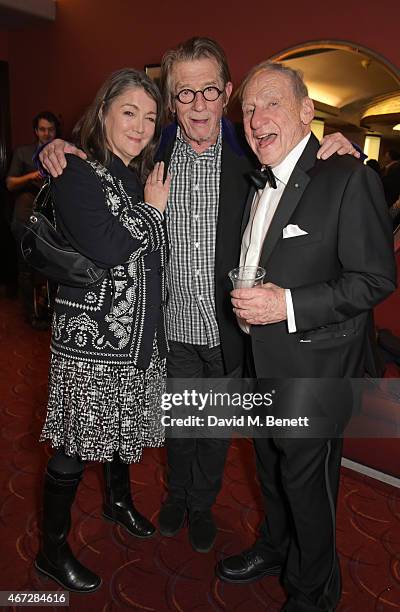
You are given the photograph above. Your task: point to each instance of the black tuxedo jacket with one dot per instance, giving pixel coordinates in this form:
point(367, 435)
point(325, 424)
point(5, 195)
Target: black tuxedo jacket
point(236, 162)
point(337, 272)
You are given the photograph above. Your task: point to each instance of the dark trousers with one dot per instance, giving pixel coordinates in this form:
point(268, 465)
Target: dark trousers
point(195, 466)
point(299, 478)
point(35, 293)
point(26, 274)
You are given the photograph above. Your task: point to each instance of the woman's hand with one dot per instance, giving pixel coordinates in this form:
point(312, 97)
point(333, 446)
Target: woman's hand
point(156, 190)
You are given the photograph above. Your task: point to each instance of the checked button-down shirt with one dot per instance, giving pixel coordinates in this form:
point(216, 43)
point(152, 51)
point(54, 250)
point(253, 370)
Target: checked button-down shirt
point(191, 217)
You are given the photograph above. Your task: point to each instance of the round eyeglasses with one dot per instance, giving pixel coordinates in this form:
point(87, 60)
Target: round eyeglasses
point(211, 93)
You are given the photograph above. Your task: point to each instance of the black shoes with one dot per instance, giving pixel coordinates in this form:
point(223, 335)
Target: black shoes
point(172, 517)
point(202, 530)
point(55, 558)
point(125, 514)
point(249, 566)
point(65, 569)
point(118, 506)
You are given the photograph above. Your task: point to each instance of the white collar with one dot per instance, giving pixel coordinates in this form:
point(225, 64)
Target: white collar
point(283, 170)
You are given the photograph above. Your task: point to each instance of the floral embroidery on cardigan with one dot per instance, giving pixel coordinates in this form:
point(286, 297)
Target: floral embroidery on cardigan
point(118, 329)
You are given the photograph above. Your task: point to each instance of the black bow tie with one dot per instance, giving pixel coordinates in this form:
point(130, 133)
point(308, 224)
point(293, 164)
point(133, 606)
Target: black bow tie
point(260, 178)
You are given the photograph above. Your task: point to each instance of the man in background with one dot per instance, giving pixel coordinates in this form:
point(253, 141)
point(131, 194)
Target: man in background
point(24, 181)
point(391, 176)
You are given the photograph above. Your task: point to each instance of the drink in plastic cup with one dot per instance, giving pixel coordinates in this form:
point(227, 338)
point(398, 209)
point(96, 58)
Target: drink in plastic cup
point(245, 277)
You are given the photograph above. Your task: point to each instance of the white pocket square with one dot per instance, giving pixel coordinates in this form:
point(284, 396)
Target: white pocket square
point(291, 231)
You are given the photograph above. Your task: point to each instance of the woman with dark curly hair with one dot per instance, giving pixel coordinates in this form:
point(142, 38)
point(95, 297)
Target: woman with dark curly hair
point(108, 342)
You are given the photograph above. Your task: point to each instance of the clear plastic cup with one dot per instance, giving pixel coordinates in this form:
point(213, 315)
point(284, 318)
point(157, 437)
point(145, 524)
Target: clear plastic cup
point(245, 277)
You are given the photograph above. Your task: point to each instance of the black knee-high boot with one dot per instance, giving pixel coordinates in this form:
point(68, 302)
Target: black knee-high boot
point(55, 558)
point(118, 506)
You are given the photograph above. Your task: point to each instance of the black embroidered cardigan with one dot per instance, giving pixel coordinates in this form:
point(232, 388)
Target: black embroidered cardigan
point(101, 212)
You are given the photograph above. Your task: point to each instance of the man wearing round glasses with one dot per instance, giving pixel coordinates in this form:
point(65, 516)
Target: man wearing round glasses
point(210, 93)
point(205, 205)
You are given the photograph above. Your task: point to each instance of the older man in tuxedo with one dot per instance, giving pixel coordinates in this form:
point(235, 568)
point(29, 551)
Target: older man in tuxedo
point(322, 232)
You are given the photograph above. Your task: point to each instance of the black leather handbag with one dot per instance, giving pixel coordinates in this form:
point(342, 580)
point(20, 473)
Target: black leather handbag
point(47, 251)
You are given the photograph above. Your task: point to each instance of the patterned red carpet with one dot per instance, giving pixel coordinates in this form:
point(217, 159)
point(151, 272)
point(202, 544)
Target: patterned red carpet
point(162, 574)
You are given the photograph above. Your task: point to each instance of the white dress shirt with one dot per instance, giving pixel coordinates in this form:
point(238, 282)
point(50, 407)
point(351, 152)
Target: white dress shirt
point(262, 212)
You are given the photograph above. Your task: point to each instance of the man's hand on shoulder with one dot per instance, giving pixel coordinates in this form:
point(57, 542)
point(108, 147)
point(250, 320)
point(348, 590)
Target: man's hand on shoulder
point(336, 143)
point(260, 305)
point(52, 156)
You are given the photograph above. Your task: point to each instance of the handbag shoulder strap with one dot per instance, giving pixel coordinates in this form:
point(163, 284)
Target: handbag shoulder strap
point(43, 197)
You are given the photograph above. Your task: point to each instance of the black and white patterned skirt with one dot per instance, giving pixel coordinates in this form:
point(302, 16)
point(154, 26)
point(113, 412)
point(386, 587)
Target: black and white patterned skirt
point(96, 409)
